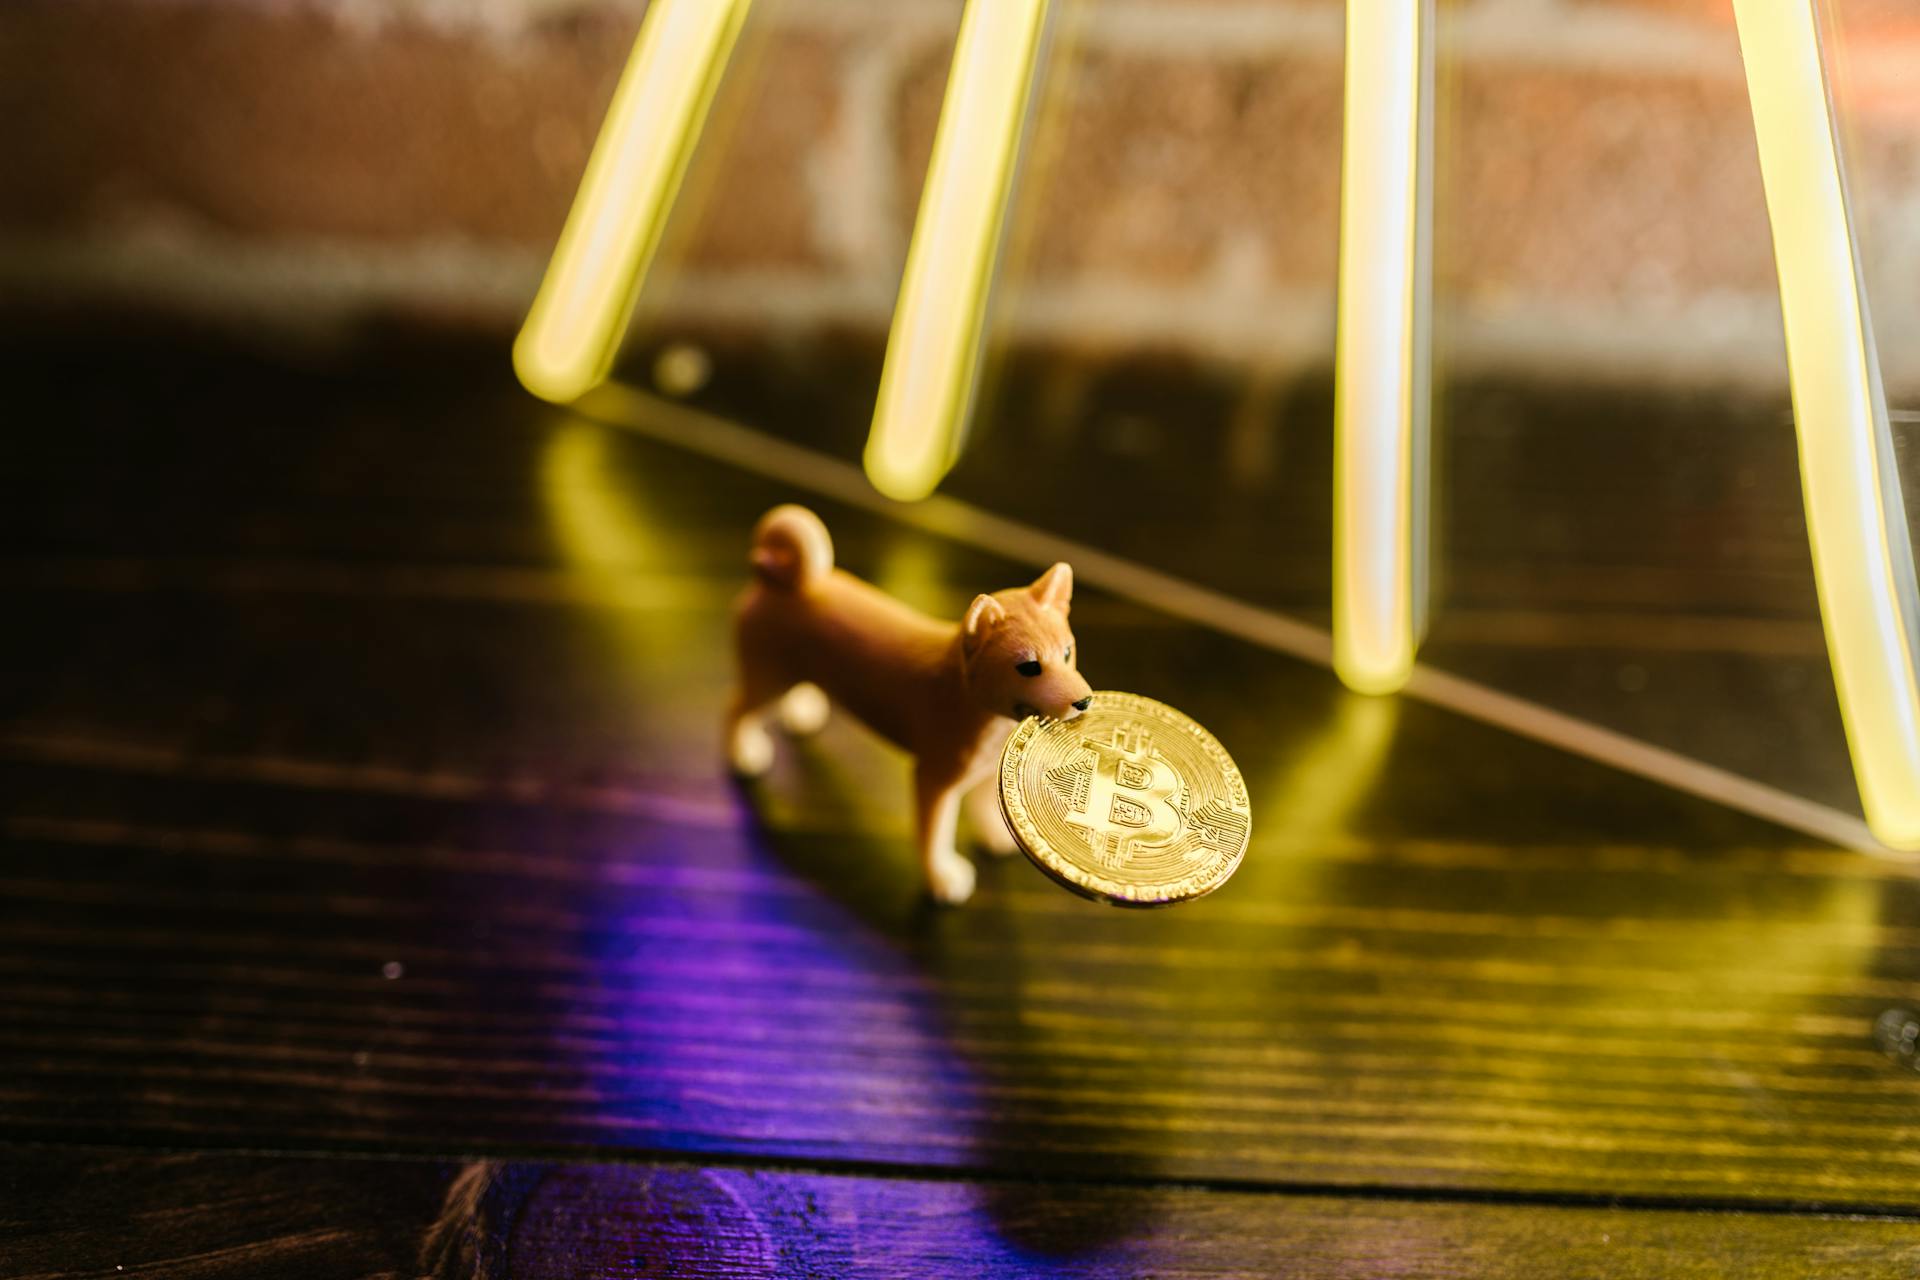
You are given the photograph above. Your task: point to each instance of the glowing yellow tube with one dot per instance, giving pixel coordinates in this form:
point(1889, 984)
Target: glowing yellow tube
point(581, 312)
point(933, 351)
point(1862, 550)
point(1381, 356)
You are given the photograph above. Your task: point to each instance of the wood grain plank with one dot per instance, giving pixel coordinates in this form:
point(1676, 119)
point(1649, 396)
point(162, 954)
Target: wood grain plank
point(69, 1214)
point(102, 1213)
point(361, 792)
point(1447, 985)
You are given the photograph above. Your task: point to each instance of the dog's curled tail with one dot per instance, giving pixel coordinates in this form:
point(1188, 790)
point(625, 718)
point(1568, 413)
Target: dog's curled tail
point(791, 547)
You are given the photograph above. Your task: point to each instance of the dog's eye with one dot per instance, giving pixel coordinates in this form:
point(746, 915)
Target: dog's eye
point(1031, 667)
point(1068, 655)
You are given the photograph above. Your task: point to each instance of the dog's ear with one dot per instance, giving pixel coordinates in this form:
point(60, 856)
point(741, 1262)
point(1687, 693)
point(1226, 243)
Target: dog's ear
point(1055, 587)
point(983, 614)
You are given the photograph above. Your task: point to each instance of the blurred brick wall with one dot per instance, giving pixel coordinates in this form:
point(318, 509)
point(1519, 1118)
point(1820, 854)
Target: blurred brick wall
point(1599, 197)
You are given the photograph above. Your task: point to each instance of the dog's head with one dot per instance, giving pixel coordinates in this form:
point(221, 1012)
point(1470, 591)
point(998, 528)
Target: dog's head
point(1019, 652)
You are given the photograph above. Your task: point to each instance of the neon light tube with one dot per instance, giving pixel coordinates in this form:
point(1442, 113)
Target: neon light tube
point(933, 351)
point(1862, 550)
point(580, 314)
point(1382, 345)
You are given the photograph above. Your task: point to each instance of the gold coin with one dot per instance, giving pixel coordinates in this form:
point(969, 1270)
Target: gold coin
point(1131, 802)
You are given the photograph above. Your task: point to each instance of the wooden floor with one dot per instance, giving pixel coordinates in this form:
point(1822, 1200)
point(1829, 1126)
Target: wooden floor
point(372, 904)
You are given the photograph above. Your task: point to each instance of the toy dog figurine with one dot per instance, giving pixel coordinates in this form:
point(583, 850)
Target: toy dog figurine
point(806, 632)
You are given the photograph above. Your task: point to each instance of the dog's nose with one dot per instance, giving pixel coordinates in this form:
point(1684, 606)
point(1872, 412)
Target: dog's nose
point(1083, 703)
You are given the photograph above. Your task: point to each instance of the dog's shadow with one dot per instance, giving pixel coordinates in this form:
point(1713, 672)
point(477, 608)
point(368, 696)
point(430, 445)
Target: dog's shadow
point(972, 965)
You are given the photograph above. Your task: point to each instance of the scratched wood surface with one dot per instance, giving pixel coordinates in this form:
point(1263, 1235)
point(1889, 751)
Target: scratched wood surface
point(358, 758)
point(200, 1217)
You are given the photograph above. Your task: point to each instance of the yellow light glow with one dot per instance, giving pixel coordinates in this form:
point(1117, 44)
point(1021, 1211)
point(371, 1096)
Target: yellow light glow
point(1382, 345)
point(1324, 787)
point(580, 314)
point(933, 351)
point(1862, 550)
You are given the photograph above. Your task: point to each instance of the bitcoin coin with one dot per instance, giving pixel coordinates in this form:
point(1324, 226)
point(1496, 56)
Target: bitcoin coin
point(1130, 802)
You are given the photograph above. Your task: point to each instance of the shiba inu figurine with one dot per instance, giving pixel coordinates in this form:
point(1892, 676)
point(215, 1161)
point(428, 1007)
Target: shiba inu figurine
point(807, 633)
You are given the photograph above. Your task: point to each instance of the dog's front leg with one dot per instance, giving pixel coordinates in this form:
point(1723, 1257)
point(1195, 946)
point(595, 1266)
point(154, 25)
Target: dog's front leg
point(983, 810)
point(937, 794)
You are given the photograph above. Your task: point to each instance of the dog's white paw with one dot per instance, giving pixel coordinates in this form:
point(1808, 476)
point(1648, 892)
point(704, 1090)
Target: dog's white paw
point(804, 710)
point(750, 749)
point(950, 879)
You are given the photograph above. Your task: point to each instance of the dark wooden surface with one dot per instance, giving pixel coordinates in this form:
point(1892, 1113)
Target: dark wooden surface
point(189, 1217)
point(359, 767)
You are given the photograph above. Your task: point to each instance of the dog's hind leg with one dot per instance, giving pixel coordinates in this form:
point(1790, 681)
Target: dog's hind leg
point(804, 709)
point(749, 745)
